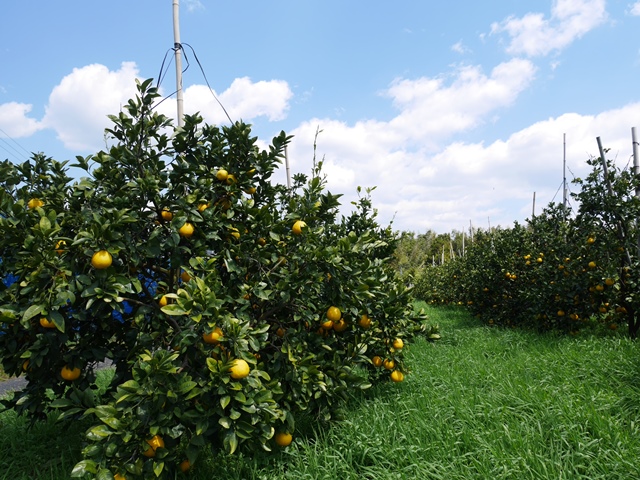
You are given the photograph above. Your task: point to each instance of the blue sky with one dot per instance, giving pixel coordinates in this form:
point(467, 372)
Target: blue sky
point(455, 111)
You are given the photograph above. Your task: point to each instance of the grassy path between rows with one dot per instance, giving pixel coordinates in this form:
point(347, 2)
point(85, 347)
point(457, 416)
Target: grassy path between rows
point(482, 403)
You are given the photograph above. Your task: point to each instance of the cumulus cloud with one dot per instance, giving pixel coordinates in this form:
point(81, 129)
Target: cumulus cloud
point(431, 108)
point(243, 100)
point(78, 106)
point(15, 122)
point(443, 186)
point(536, 35)
point(635, 9)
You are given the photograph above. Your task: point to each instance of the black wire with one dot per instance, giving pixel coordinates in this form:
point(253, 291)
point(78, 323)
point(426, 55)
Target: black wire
point(207, 81)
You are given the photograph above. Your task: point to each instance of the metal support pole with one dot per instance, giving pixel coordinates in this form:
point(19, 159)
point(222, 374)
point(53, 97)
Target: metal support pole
point(177, 47)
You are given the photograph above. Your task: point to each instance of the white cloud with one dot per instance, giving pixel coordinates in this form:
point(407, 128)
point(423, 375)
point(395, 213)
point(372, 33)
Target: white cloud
point(635, 9)
point(422, 184)
point(243, 100)
point(430, 109)
point(79, 105)
point(535, 35)
point(193, 5)
point(460, 48)
point(15, 122)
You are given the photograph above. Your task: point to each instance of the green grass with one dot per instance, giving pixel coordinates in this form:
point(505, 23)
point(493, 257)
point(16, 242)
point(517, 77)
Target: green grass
point(482, 403)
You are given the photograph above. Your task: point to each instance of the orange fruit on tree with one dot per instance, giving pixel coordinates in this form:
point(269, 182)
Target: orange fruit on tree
point(222, 175)
point(101, 260)
point(214, 336)
point(35, 203)
point(377, 361)
point(591, 241)
point(280, 332)
point(186, 230)
point(231, 179)
point(297, 227)
point(154, 442)
point(60, 244)
point(46, 323)
point(334, 314)
point(235, 233)
point(365, 321)
point(166, 214)
point(70, 374)
point(397, 376)
point(239, 369)
point(609, 282)
point(250, 190)
point(262, 242)
point(202, 207)
point(284, 439)
point(340, 325)
point(592, 264)
point(184, 275)
point(389, 364)
point(163, 301)
point(398, 344)
point(185, 466)
point(117, 476)
point(327, 324)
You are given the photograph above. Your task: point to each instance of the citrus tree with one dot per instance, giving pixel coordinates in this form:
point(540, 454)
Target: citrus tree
point(562, 270)
point(226, 303)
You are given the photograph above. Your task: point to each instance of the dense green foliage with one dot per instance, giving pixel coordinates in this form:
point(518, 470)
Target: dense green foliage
point(207, 286)
point(559, 271)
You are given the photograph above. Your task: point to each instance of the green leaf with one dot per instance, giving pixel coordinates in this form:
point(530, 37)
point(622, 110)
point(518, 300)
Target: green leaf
point(230, 442)
point(224, 401)
point(98, 432)
point(83, 467)
point(174, 309)
point(157, 468)
point(32, 311)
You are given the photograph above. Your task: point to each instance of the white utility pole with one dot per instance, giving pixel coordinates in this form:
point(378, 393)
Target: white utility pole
point(177, 47)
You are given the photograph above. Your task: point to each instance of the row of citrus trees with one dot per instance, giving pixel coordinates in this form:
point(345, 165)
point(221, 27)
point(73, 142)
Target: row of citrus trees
point(227, 304)
point(560, 270)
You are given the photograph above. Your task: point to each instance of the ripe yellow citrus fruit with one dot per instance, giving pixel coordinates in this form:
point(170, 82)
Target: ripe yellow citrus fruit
point(239, 369)
point(340, 325)
point(284, 439)
point(280, 332)
point(539, 259)
point(117, 476)
point(592, 264)
point(35, 203)
point(70, 374)
point(398, 344)
point(327, 325)
point(561, 313)
point(166, 214)
point(365, 321)
point(590, 240)
point(297, 227)
point(46, 323)
point(334, 314)
point(231, 179)
point(184, 275)
point(185, 466)
point(163, 301)
point(397, 376)
point(25, 365)
point(377, 361)
point(60, 244)
point(186, 230)
point(250, 190)
point(235, 233)
point(609, 282)
point(101, 260)
point(222, 175)
point(389, 364)
point(262, 242)
point(154, 442)
point(202, 207)
point(213, 337)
